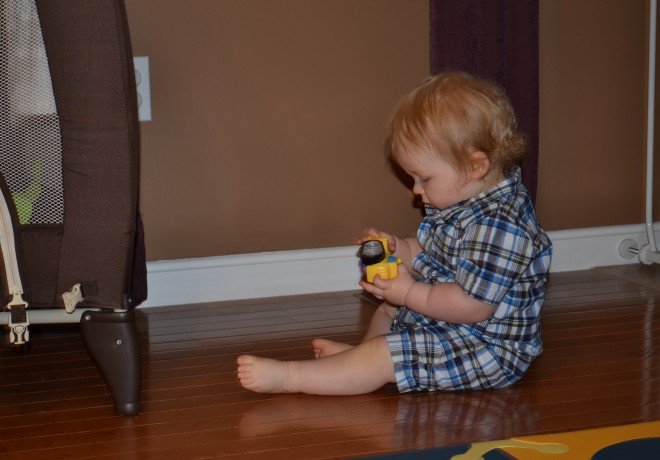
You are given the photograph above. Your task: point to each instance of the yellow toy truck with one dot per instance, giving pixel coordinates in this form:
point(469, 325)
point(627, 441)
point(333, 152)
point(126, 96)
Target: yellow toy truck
point(376, 259)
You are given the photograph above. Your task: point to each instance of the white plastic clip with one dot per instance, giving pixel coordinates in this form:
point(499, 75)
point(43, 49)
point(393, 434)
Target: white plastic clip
point(72, 298)
point(18, 332)
point(18, 318)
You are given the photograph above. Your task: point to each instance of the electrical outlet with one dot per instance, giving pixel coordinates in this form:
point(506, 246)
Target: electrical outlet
point(141, 64)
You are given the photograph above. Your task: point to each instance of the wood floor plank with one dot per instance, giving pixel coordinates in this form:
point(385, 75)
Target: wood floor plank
point(600, 367)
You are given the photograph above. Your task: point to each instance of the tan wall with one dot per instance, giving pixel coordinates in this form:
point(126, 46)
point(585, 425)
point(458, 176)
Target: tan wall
point(592, 111)
point(269, 118)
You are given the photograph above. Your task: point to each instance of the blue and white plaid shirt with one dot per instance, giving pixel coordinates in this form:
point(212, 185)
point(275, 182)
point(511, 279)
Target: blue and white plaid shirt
point(493, 247)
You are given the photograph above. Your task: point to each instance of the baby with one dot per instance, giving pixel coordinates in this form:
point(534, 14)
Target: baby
point(464, 311)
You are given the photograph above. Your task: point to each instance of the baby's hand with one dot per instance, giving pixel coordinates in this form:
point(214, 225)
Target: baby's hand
point(371, 233)
point(394, 290)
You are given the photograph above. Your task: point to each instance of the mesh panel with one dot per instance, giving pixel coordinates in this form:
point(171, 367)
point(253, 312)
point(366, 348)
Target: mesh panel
point(30, 147)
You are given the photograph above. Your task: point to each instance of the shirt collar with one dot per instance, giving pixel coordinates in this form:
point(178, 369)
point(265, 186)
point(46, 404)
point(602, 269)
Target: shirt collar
point(481, 202)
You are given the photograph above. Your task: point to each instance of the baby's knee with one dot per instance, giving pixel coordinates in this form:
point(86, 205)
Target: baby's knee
point(379, 359)
point(387, 310)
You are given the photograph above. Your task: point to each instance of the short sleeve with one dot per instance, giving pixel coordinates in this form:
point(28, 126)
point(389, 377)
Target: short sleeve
point(492, 257)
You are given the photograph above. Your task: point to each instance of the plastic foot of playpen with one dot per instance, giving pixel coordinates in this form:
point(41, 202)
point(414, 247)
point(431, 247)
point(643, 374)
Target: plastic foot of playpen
point(111, 340)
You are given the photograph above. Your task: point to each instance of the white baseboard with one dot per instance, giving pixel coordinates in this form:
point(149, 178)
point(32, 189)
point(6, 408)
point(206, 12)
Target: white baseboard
point(272, 274)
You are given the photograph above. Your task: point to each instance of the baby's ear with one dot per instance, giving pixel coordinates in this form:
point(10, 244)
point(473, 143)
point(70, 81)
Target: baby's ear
point(479, 165)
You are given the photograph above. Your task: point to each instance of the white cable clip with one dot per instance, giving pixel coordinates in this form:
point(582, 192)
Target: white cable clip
point(72, 298)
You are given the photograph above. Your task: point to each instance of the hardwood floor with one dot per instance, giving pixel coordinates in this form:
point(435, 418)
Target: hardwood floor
point(600, 367)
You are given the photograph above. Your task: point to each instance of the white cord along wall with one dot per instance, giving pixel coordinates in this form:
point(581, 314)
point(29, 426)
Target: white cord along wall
point(647, 253)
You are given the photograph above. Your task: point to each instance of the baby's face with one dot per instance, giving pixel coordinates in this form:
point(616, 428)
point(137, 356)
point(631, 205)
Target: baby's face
point(438, 182)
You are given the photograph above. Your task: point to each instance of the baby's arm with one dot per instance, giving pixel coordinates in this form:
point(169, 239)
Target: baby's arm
point(446, 302)
point(406, 250)
point(443, 301)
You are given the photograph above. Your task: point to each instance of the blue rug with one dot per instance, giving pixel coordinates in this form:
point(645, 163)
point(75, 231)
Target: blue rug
point(639, 442)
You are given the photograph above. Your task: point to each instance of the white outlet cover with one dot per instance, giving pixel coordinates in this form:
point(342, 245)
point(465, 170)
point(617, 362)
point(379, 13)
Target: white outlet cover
point(141, 64)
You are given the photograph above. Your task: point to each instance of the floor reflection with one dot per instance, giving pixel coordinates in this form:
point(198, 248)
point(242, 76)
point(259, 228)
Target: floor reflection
point(390, 421)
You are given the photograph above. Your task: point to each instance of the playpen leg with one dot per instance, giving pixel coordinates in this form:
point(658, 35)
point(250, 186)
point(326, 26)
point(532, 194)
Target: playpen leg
point(111, 340)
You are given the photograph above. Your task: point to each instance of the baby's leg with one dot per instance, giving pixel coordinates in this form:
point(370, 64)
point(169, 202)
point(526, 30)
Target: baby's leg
point(325, 347)
point(358, 370)
point(381, 321)
point(380, 324)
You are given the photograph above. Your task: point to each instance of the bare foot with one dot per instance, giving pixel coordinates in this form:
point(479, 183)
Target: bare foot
point(263, 375)
point(323, 347)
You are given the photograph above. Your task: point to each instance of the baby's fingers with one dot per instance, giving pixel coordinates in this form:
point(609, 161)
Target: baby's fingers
point(372, 289)
point(367, 234)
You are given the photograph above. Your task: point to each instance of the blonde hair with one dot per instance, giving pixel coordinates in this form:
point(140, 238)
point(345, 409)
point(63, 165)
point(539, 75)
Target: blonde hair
point(454, 114)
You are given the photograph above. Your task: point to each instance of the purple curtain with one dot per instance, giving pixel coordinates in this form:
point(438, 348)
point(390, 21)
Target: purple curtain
point(498, 40)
